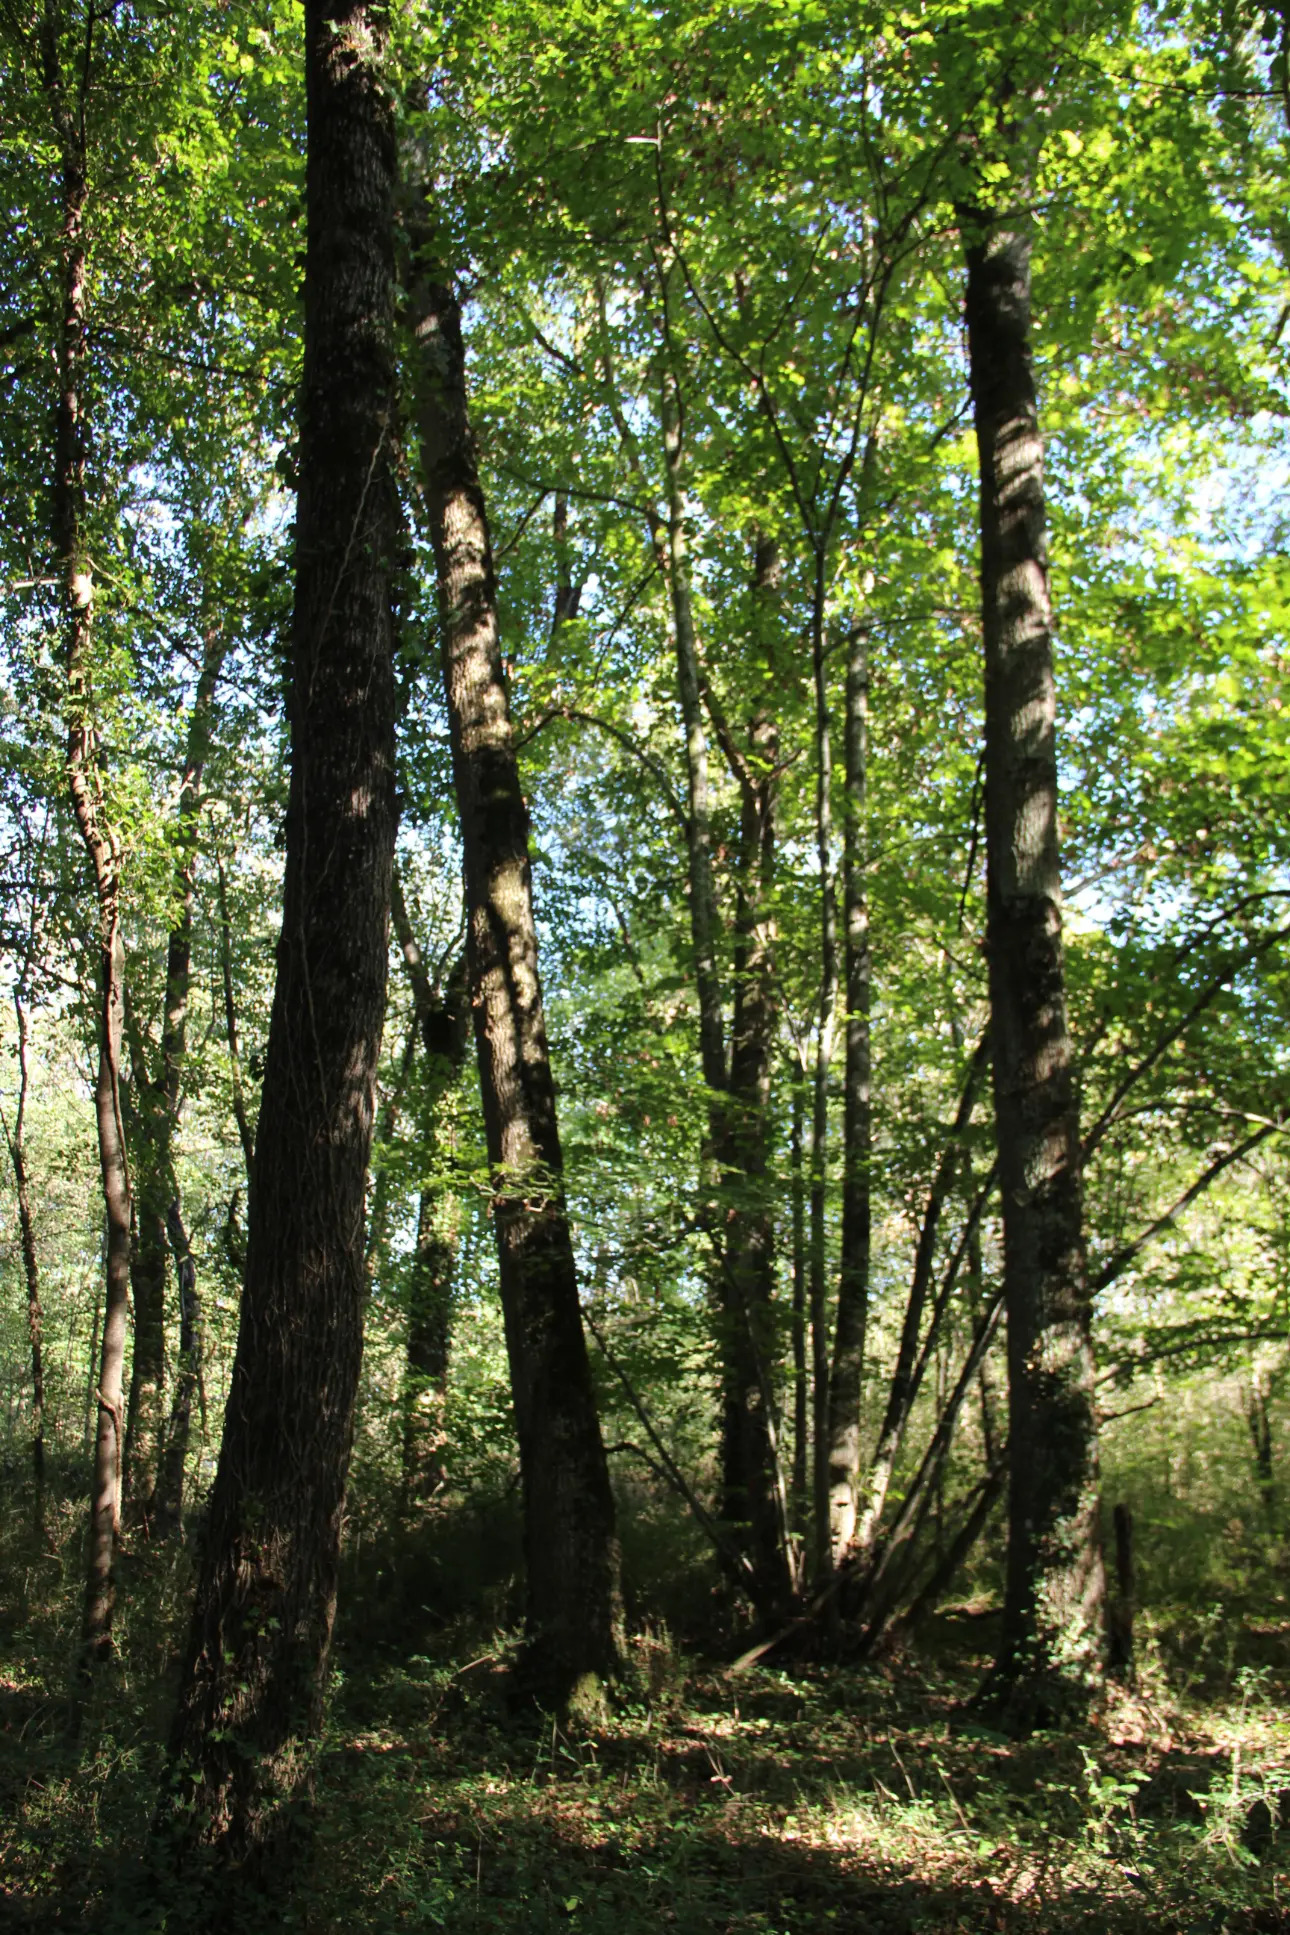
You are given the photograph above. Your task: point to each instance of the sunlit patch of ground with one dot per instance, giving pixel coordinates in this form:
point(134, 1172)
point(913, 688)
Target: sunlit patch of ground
point(794, 1803)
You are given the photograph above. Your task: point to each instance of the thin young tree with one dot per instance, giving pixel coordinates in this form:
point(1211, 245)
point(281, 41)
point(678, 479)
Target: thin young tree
point(254, 1674)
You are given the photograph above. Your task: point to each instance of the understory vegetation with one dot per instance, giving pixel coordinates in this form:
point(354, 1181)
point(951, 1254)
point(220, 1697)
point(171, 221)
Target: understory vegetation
point(776, 1799)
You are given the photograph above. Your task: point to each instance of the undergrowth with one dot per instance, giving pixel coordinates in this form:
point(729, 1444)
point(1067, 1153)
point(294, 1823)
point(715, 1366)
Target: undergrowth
point(796, 1800)
point(780, 1802)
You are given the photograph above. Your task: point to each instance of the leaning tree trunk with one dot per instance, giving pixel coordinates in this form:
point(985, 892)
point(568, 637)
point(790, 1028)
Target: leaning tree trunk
point(1052, 1605)
point(252, 1685)
point(570, 1545)
point(846, 1376)
point(99, 837)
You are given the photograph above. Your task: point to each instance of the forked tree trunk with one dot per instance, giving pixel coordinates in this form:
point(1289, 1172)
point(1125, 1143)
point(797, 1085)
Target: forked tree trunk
point(1053, 1600)
point(102, 845)
point(570, 1544)
point(846, 1377)
point(251, 1690)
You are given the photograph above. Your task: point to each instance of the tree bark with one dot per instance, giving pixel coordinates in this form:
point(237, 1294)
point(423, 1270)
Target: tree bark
point(1119, 1623)
point(253, 1680)
point(755, 1495)
point(570, 1544)
point(425, 1380)
point(1052, 1608)
point(100, 839)
point(847, 1374)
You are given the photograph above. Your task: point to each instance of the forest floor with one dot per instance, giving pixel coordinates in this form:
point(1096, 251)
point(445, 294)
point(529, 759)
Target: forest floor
point(788, 1802)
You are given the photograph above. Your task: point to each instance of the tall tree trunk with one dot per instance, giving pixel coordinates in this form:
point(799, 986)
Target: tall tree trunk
point(16, 1137)
point(801, 1382)
point(753, 1473)
point(157, 1097)
point(820, 1089)
point(846, 1377)
point(99, 837)
point(1053, 1598)
point(570, 1544)
point(252, 1685)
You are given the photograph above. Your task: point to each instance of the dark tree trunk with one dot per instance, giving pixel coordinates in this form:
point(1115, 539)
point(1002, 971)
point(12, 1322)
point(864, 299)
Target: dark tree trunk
point(846, 1377)
point(755, 1497)
point(801, 1383)
point(570, 1545)
point(101, 842)
point(425, 1381)
point(1052, 1608)
point(252, 1685)
point(1119, 1620)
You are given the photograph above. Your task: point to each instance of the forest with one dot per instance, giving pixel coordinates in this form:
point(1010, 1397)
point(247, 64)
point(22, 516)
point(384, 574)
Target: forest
point(645, 1052)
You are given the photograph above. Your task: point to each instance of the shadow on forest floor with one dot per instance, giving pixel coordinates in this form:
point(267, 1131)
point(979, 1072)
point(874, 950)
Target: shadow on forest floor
point(784, 1803)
